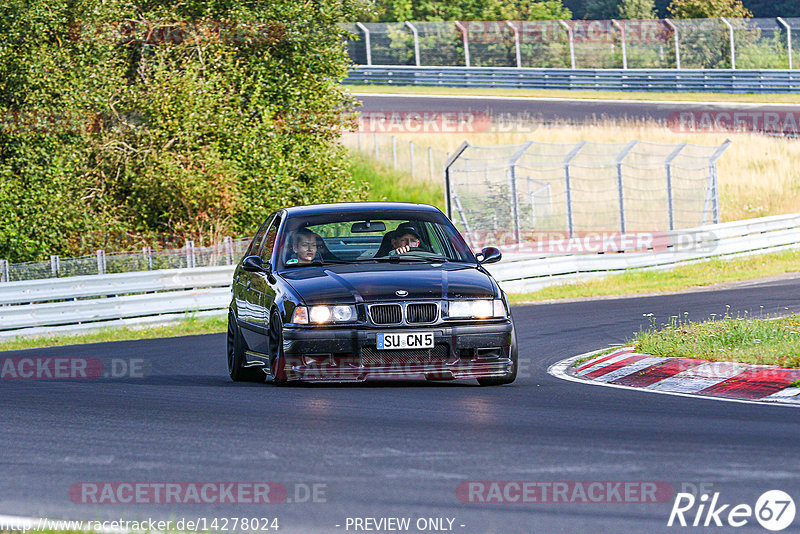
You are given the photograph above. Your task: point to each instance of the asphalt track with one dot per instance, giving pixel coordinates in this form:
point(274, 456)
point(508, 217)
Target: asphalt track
point(548, 110)
point(390, 449)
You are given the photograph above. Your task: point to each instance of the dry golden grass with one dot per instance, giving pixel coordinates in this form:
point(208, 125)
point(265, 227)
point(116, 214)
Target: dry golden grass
point(759, 175)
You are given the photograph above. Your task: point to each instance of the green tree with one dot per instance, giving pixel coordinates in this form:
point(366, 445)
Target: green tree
point(193, 122)
point(447, 10)
point(601, 9)
point(703, 9)
point(637, 9)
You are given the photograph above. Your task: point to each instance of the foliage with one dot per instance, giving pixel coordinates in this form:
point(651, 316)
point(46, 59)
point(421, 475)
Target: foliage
point(600, 9)
point(637, 9)
point(191, 120)
point(445, 10)
point(703, 9)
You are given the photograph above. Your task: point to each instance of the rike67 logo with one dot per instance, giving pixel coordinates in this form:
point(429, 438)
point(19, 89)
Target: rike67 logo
point(774, 510)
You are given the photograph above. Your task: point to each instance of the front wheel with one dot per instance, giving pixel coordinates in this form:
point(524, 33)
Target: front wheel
point(277, 363)
point(511, 375)
point(236, 359)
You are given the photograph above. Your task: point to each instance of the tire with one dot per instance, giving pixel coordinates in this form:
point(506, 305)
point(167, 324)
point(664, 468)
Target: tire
point(236, 359)
point(512, 374)
point(276, 362)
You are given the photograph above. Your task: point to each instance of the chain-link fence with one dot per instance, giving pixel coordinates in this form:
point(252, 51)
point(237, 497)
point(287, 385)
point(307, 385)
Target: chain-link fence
point(225, 253)
point(760, 43)
point(419, 161)
point(512, 193)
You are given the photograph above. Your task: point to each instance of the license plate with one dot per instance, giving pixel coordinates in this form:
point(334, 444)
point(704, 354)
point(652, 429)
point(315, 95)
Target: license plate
point(402, 340)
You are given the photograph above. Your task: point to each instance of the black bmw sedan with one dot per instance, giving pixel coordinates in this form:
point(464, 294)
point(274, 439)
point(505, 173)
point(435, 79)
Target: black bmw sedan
point(347, 292)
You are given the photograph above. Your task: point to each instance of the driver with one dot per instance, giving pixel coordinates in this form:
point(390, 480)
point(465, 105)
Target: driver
point(304, 246)
point(405, 237)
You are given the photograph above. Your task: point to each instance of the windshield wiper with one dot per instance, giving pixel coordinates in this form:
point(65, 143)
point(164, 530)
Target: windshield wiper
point(418, 259)
point(316, 263)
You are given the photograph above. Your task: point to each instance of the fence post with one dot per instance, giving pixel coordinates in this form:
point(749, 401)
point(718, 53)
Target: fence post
point(411, 156)
point(229, 249)
point(516, 43)
point(416, 43)
point(512, 176)
point(465, 37)
point(620, 189)
point(101, 261)
point(358, 140)
point(668, 165)
point(677, 43)
point(394, 152)
point(714, 185)
point(571, 42)
point(788, 39)
point(621, 29)
point(55, 265)
point(568, 187)
point(450, 160)
point(733, 45)
point(147, 252)
point(430, 162)
point(190, 254)
point(4, 274)
point(375, 141)
point(366, 42)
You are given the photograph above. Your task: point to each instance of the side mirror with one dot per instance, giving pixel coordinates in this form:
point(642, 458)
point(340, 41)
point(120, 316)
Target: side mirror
point(490, 255)
point(254, 264)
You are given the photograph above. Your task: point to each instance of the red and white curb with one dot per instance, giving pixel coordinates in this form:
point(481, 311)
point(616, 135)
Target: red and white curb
point(729, 381)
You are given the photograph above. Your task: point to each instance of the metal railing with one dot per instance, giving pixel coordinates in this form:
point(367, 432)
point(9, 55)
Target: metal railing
point(663, 80)
point(187, 257)
point(85, 303)
point(714, 43)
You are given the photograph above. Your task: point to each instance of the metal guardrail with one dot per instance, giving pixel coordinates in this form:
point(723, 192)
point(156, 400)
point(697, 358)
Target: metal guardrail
point(530, 272)
point(83, 303)
point(664, 80)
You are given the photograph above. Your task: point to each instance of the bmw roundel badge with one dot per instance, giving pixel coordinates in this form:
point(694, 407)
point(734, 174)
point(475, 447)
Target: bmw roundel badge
point(401, 293)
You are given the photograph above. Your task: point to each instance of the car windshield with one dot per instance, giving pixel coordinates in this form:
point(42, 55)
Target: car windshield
point(371, 238)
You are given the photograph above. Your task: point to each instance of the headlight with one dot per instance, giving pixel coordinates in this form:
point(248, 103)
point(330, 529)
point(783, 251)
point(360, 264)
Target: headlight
point(477, 309)
point(324, 314)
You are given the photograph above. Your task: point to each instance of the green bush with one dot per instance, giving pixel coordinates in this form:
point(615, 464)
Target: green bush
point(192, 123)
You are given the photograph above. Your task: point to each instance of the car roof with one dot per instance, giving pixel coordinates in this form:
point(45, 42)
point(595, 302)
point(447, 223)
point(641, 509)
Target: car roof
point(315, 209)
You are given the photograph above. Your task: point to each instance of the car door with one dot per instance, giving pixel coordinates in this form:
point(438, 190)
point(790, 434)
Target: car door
point(242, 280)
point(261, 294)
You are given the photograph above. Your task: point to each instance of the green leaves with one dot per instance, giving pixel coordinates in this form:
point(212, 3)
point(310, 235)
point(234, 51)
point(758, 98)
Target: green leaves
point(120, 126)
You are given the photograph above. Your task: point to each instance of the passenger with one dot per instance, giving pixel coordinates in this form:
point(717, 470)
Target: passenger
point(304, 246)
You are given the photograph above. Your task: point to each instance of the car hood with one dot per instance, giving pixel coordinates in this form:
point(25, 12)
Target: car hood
point(351, 283)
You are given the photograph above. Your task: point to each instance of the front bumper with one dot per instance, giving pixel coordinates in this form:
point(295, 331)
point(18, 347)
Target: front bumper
point(351, 354)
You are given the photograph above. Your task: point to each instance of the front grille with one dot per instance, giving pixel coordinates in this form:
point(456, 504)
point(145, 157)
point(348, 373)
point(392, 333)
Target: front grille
point(386, 313)
point(421, 313)
point(372, 356)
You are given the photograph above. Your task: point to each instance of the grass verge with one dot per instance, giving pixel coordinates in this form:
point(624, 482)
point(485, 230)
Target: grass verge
point(574, 95)
point(188, 327)
point(699, 274)
point(740, 339)
point(386, 183)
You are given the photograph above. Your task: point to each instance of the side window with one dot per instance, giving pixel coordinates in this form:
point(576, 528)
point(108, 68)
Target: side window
point(269, 240)
point(259, 237)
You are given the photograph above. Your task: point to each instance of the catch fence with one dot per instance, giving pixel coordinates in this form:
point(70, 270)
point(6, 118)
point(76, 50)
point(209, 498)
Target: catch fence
point(507, 195)
point(714, 43)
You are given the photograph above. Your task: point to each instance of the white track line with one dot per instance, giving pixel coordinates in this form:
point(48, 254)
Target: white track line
point(559, 370)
